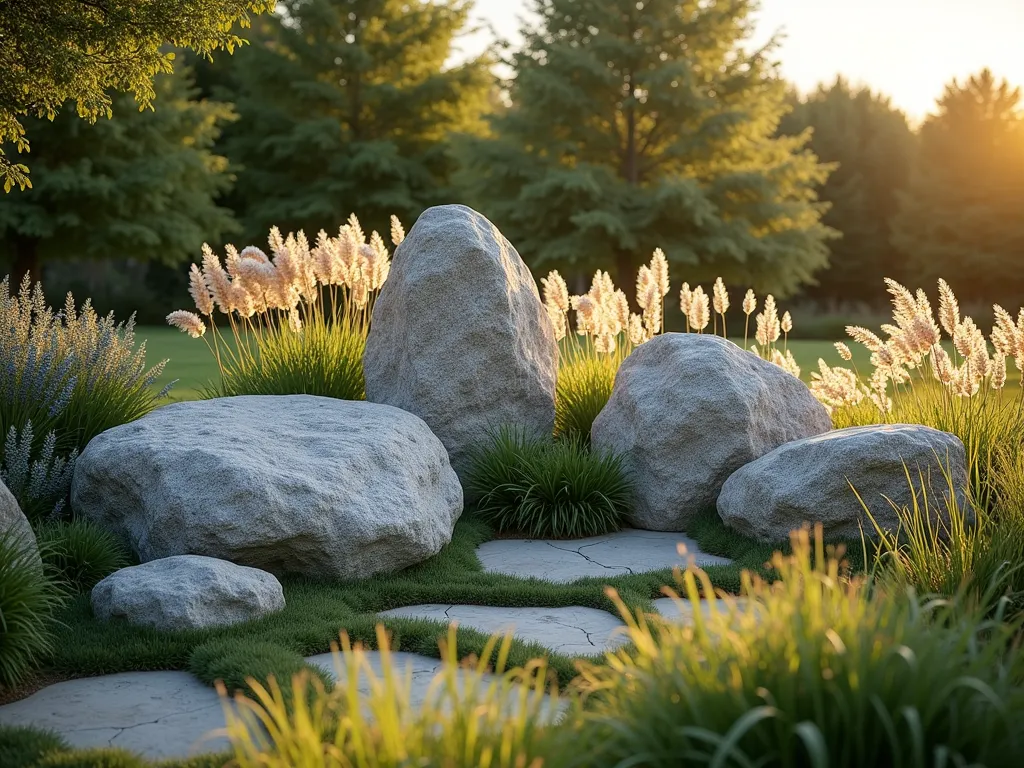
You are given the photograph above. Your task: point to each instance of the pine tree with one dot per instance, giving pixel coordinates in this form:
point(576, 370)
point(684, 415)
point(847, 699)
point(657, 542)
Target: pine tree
point(141, 185)
point(872, 147)
point(962, 217)
point(346, 105)
point(69, 54)
point(642, 125)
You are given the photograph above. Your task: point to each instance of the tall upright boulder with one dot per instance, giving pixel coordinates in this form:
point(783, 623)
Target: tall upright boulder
point(460, 336)
point(687, 410)
point(15, 528)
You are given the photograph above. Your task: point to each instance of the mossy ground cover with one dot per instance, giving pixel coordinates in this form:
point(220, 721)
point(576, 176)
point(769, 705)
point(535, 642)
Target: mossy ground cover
point(317, 612)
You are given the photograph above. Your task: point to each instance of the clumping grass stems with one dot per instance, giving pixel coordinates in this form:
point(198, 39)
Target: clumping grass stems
point(29, 600)
point(80, 552)
point(471, 719)
point(584, 384)
point(814, 669)
point(542, 488)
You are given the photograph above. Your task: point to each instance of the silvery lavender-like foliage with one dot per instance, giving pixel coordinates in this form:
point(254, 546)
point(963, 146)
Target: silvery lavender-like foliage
point(64, 377)
point(40, 484)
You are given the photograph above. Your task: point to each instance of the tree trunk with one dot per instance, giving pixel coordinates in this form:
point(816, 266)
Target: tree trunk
point(26, 262)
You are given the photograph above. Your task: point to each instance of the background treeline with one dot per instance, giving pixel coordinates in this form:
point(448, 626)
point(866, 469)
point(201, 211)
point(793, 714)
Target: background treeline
point(619, 129)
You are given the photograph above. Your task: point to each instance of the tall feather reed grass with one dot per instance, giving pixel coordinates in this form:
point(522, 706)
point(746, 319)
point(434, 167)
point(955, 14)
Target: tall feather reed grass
point(469, 717)
point(597, 330)
point(296, 321)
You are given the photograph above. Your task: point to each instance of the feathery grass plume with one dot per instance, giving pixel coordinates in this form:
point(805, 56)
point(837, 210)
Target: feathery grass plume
point(542, 488)
point(748, 306)
point(686, 303)
point(397, 231)
point(187, 322)
point(65, 376)
point(844, 351)
point(721, 304)
point(836, 387)
point(477, 713)
point(296, 321)
point(746, 683)
point(700, 310)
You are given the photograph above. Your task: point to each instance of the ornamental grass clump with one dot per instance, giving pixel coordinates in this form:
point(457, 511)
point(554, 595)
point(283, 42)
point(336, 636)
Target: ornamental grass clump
point(65, 376)
point(476, 714)
point(296, 321)
point(815, 669)
point(541, 488)
point(943, 373)
point(29, 600)
point(597, 330)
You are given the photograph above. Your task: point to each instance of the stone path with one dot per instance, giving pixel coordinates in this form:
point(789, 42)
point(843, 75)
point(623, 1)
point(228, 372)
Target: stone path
point(624, 552)
point(172, 714)
point(571, 631)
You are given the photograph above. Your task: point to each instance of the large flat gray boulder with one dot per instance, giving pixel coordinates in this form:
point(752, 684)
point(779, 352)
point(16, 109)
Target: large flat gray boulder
point(326, 488)
point(809, 481)
point(186, 592)
point(459, 335)
point(687, 410)
point(15, 528)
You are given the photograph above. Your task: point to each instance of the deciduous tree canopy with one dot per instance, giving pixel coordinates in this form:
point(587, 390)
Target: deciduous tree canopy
point(71, 53)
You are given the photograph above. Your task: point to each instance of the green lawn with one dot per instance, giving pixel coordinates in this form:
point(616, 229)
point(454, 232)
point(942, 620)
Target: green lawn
point(192, 363)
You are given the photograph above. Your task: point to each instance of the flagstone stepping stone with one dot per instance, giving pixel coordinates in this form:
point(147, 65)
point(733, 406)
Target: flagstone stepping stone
point(157, 714)
point(683, 611)
point(168, 714)
point(613, 554)
point(574, 631)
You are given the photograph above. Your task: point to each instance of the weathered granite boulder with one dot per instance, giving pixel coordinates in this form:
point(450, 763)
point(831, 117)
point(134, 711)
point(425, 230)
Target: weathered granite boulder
point(688, 410)
point(327, 488)
point(459, 334)
point(186, 592)
point(15, 525)
point(809, 481)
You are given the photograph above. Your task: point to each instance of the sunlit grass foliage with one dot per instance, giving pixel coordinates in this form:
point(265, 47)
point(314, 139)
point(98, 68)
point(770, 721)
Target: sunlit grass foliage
point(469, 717)
point(816, 669)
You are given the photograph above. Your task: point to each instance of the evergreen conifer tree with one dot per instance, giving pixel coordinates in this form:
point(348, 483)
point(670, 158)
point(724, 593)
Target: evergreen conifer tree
point(348, 106)
point(636, 125)
point(141, 186)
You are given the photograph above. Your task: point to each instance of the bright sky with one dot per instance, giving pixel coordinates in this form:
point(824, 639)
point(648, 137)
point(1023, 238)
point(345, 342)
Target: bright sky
point(907, 49)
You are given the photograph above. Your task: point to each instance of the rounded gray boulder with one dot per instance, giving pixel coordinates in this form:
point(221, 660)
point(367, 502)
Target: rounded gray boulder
point(186, 592)
point(813, 481)
point(687, 410)
point(327, 488)
point(459, 335)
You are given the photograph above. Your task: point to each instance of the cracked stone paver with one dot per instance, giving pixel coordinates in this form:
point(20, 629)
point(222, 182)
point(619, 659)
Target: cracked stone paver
point(159, 714)
point(574, 631)
point(623, 552)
